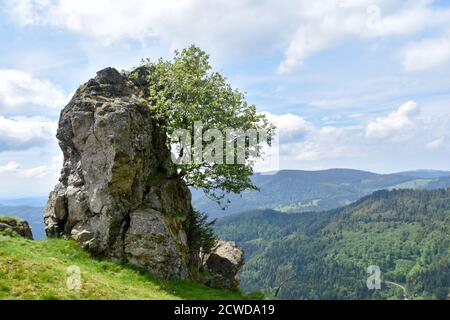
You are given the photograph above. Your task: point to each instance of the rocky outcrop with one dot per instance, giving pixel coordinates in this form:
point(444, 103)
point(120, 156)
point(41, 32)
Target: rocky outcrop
point(222, 265)
point(18, 226)
point(118, 194)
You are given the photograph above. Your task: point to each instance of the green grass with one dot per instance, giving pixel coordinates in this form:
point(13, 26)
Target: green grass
point(38, 270)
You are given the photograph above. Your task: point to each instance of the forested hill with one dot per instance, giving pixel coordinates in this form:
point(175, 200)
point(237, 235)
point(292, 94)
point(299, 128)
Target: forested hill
point(303, 191)
point(325, 255)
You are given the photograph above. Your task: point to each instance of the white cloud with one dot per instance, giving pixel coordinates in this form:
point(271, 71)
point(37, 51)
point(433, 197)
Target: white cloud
point(304, 43)
point(25, 173)
point(321, 26)
point(290, 125)
point(409, 18)
point(427, 54)
point(19, 88)
point(371, 144)
point(303, 145)
point(435, 144)
point(218, 25)
point(10, 167)
point(36, 172)
point(326, 142)
point(326, 24)
point(15, 171)
point(301, 140)
point(52, 169)
point(397, 126)
point(313, 151)
point(25, 132)
point(230, 28)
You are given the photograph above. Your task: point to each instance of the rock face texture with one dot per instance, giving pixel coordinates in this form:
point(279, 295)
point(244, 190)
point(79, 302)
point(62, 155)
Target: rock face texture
point(222, 265)
point(118, 195)
point(21, 227)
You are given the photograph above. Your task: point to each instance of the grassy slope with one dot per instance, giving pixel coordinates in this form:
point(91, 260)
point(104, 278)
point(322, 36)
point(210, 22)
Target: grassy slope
point(37, 270)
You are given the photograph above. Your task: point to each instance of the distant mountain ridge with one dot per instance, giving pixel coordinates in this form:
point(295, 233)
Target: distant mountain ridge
point(303, 191)
point(425, 174)
point(287, 191)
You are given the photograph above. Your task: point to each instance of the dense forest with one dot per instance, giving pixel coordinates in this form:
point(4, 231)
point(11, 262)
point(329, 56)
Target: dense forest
point(326, 255)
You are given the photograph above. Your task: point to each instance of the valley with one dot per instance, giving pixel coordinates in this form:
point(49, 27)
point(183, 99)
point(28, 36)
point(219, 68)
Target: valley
point(325, 255)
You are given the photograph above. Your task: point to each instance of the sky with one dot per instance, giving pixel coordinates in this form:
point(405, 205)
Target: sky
point(350, 83)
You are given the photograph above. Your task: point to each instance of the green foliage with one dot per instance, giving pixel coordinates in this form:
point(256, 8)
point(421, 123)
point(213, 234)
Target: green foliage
point(38, 270)
point(405, 232)
point(186, 90)
point(201, 235)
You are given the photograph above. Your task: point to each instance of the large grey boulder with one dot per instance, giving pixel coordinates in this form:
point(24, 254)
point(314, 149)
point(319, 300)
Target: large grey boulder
point(18, 226)
point(223, 264)
point(118, 194)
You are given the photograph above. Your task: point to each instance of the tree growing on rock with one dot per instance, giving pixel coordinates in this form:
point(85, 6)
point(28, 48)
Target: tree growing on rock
point(184, 92)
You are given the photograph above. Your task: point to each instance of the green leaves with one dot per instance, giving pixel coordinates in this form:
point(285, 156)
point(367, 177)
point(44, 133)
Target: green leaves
point(201, 234)
point(186, 91)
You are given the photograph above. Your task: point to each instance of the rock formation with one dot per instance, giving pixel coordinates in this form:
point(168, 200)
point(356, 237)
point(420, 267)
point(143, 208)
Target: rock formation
point(21, 227)
point(119, 195)
point(222, 265)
